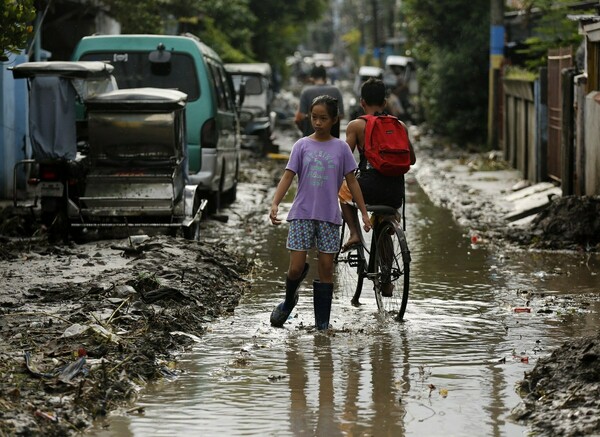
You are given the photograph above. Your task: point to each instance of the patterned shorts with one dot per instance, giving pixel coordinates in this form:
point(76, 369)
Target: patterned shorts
point(303, 234)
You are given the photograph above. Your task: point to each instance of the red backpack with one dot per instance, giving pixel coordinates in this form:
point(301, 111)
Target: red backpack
point(386, 144)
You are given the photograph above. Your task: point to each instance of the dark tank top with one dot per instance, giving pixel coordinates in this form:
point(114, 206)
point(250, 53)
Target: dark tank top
point(378, 189)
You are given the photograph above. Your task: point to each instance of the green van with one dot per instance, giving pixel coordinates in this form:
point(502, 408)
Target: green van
point(186, 64)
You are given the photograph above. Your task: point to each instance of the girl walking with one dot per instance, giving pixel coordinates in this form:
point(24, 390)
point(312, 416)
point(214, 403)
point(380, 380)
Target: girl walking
point(321, 162)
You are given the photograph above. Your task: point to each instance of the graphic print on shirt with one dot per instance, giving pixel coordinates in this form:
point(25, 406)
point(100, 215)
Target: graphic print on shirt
point(320, 161)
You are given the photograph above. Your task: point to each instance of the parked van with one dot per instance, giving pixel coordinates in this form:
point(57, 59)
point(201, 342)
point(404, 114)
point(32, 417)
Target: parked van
point(186, 64)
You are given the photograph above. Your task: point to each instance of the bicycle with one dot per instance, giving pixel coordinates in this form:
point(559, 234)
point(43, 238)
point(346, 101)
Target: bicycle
point(386, 263)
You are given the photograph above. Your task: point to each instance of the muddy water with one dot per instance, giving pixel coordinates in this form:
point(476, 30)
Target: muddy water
point(450, 369)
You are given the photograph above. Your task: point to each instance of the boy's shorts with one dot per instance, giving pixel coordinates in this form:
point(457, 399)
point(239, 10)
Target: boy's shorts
point(344, 195)
point(303, 235)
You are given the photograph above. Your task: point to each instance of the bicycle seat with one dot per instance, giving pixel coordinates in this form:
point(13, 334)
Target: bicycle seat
point(382, 209)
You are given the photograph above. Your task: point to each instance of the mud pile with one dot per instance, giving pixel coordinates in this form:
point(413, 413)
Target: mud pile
point(72, 350)
point(561, 395)
point(570, 222)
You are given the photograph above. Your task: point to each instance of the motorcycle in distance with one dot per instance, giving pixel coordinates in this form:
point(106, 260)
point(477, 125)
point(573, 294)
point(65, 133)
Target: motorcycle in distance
point(118, 163)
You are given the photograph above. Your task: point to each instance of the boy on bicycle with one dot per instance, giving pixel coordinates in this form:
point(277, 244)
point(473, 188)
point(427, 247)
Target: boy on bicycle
point(377, 188)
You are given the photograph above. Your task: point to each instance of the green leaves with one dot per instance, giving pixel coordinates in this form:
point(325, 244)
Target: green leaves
point(554, 29)
point(451, 44)
point(143, 16)
point(239, 30)
point(16, 18)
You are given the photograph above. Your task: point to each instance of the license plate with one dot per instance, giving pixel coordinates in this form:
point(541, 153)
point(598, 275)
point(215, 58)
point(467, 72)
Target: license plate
point(51, 189)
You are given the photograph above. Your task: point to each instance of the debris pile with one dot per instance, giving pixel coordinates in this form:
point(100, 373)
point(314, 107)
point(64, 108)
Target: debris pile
point(571, 222)
point(73, 351)
point(561, 395)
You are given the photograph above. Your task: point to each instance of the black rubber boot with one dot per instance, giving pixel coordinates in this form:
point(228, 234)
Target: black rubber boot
point(322, 297)
point(282, 311)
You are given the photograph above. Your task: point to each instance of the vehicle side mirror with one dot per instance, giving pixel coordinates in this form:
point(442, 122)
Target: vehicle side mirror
point(241, 94)
point(160, 56)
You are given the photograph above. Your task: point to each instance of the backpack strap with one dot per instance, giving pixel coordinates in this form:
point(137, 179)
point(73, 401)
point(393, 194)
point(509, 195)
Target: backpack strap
point(362, 163)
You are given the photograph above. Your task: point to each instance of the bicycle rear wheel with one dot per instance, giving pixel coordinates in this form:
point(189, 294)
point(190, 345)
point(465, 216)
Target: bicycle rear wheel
point(391, 270)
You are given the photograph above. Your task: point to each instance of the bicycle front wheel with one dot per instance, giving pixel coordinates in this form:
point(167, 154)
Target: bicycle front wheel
point(351, 269)
point(391, 270)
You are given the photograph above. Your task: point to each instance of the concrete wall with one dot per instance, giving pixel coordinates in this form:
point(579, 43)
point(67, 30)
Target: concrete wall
point(592, 144)
point(14, 137)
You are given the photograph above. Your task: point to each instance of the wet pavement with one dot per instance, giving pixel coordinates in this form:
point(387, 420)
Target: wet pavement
point(479, 316)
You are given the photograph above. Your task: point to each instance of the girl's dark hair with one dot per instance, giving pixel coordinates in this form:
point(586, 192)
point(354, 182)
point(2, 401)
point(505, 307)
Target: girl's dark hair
point(330, 103)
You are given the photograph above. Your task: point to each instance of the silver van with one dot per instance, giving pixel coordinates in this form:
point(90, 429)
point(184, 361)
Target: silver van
point(185, 64)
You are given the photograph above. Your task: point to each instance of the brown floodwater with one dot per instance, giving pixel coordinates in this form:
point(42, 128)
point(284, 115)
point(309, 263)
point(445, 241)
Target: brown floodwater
point(449, 369)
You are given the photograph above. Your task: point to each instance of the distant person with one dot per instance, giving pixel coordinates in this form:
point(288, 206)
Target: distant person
point(402, 92)
point(376, 188)
point(321, 162)
point(319, 87)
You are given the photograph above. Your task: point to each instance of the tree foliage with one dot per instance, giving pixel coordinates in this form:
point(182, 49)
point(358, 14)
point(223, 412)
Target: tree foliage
point(278, 29)
point(553, 29)
point(16, 19)
point(452, 48)
point(143, 16)
point(239, 30)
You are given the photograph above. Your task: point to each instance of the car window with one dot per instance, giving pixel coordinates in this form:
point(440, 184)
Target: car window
point(228, 88)
point(134, 70)
point(219, 91)
point(223, 85)
point(253, 85)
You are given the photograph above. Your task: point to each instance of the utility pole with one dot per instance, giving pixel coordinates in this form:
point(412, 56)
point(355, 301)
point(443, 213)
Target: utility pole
point(496, 58)
point(376, 54)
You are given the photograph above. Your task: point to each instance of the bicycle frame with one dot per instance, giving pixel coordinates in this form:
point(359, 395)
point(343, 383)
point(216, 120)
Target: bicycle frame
point(383, 266)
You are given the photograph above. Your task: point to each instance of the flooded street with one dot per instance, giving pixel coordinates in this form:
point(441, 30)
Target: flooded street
point(449, 369)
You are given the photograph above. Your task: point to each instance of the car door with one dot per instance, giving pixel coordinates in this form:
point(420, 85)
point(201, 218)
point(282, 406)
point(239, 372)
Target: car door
point(227, 124)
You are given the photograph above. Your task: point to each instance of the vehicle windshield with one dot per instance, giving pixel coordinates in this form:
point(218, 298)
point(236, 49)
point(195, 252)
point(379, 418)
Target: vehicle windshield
point(253, 84)
point(134, 70)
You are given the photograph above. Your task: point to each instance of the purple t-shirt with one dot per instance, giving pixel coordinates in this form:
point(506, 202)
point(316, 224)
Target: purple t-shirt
point(321, 167)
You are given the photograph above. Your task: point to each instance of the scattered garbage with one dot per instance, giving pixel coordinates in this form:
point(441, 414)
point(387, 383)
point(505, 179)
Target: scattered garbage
point(48, 416)
point(93, 340)
point(522, 310)
point(560, 394)
point(72, 370)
